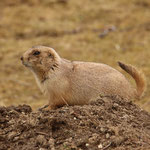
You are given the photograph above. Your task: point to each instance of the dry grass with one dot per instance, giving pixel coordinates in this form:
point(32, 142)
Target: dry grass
point(73, 29)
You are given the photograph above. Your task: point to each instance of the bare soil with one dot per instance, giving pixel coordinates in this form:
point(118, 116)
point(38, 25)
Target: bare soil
point(103, 31)
point(108, 123)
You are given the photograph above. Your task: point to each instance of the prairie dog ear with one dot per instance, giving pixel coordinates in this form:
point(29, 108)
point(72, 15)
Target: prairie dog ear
point(51, 55)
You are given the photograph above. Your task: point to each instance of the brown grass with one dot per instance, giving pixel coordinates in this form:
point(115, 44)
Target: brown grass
point(73, 29)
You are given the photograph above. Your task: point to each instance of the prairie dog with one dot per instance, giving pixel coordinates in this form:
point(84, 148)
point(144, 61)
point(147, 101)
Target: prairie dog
point(78, 83)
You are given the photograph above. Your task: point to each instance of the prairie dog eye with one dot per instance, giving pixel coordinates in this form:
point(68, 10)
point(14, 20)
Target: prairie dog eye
point(36, 53)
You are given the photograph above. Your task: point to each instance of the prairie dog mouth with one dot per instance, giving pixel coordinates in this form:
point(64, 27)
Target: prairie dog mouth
point(25, 64)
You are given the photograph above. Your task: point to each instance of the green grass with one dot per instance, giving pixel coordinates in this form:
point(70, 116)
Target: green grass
point(73, 30)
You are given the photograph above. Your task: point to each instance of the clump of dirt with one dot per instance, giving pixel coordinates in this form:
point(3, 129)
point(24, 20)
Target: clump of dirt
point(108, 123)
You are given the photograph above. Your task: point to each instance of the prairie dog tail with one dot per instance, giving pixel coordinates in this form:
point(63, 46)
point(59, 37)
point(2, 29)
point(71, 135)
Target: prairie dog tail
point(138, 77)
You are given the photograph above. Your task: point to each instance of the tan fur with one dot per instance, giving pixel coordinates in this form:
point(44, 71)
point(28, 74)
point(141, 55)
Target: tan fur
point(138, 76)
point(71, 83)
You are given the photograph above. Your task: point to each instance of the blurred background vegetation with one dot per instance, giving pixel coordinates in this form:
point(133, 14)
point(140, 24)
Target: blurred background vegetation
point(100, 30)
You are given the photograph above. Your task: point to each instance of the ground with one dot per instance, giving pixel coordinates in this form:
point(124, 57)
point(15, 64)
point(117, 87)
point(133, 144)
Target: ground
point(99, 31)
point(108, 123)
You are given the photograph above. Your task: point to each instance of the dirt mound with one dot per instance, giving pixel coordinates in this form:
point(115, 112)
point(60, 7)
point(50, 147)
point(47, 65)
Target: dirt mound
point(109, 123)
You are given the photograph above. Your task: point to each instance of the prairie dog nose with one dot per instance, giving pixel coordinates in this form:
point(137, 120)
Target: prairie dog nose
point(21, 58)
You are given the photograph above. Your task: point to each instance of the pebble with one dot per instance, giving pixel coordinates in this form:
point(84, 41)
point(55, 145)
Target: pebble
point(107, 135)
point(41, 139)
point(100, 146)
point(75, 118)
point(11, 135)
point(42, 149)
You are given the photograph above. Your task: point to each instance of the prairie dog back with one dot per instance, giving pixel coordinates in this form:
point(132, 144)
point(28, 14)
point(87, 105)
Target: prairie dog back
point(92, 79)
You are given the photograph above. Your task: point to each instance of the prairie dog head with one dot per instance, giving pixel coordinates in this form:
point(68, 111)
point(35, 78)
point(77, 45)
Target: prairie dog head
point(40, 60)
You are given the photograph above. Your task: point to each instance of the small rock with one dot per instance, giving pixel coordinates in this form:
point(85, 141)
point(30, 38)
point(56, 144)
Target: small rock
point(42, 149)
point(100, 146)
point(107, 30)
point(41, 139)
point(11, 135)
point(107, 135)
point(102, 129)
point(75, 118)
point(16, 138)
point(32, 122)
point(92, 139)
point(52, 143)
